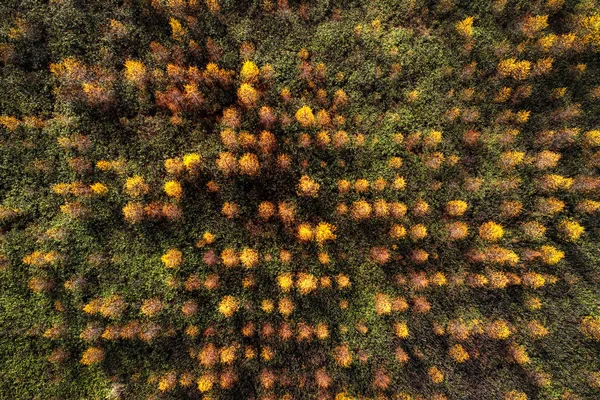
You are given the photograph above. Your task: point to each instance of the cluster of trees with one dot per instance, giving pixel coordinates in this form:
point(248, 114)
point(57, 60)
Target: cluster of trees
point(290, 199)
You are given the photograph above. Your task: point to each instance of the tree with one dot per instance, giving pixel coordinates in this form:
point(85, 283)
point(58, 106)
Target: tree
point(465, 27)
point(590, 326)
point(173, 189)
point(458, 353)
point(249, 72)
point(92, 355)
point(247, 95)
point(456, 208)
point(228, 306)
point(135, 72)
point(249, 164)
point(308, 187)
point(570, 230)
point(324, 232)
point(136, 186)
point(173, 258)
point(491, 231)
point(305, 116)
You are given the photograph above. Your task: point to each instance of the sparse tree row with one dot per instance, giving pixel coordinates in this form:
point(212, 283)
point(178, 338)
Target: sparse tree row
point(264, 200)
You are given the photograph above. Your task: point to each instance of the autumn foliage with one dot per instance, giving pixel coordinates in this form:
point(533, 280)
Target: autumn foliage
point(277, 199)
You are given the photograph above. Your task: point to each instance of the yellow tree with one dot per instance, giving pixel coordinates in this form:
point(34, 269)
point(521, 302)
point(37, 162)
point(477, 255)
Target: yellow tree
point(247, 95)
point(465, 27)
point(305, 116)
point(92, 355)
point(249, 72)
point(135, 72)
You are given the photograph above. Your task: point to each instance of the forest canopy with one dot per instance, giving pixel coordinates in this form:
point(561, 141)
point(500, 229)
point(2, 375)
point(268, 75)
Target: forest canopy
point(300, 199)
